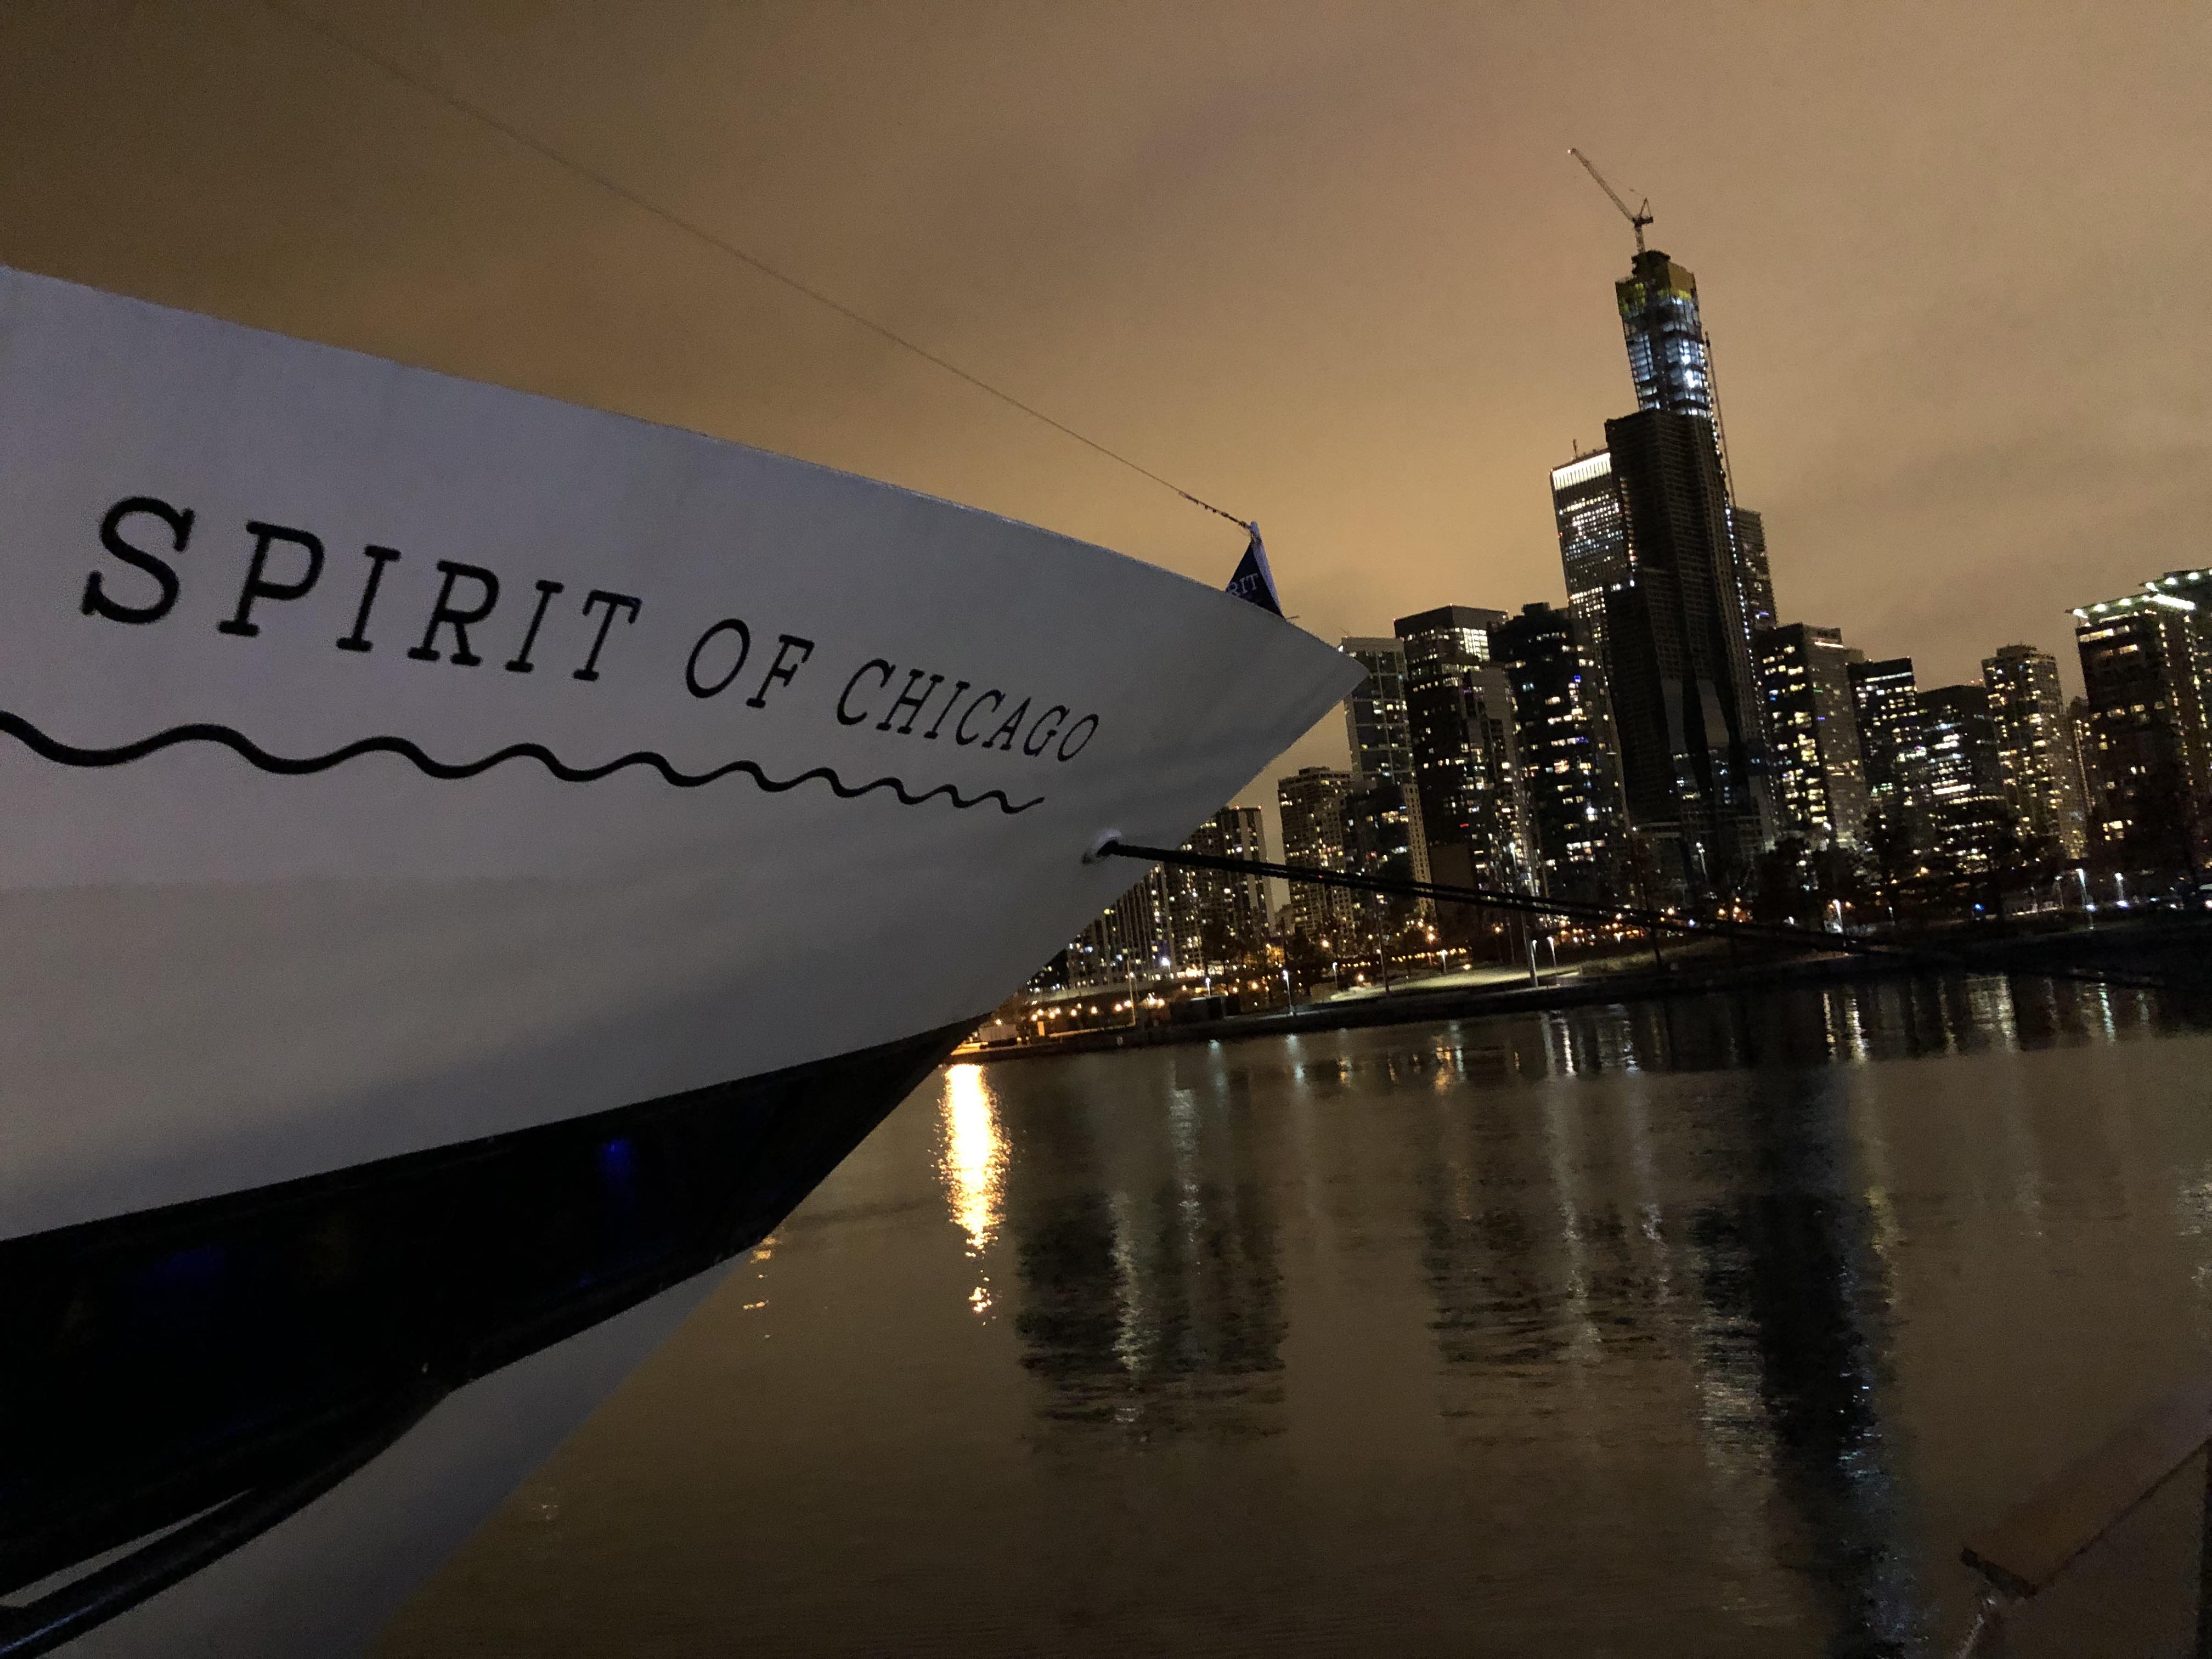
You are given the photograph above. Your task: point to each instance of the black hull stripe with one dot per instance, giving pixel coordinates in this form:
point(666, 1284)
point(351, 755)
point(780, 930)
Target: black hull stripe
point(230, 1358)
point(53, 749)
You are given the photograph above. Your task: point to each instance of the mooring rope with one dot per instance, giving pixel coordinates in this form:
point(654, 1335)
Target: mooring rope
point(1616, 914)
point(545, 151)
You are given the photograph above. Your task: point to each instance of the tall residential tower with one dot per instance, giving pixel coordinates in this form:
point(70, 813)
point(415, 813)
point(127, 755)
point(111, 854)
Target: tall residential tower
point(1572, 787)
point(2150, 744)
point(2035, 739)
point(1474, 810)
point(1378, 730)
point(1819, 773)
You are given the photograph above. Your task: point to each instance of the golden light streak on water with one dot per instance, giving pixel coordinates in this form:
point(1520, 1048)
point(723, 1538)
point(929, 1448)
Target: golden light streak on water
point(974, 1163)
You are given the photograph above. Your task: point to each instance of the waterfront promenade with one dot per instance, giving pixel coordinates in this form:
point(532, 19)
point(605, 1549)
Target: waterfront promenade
point(2176, 949)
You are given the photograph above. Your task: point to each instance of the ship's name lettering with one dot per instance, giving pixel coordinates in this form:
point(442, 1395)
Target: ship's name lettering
point(282, 565)
point(1055, 727)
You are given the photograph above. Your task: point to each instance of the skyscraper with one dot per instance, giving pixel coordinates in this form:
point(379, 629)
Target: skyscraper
point(1311, 800)
point(1377, 731)
point(1375, 726)
point(1668, 356)
point(2195, 586)
point(1754, 582)
point(1972, 821)
point(2150, 758)
point(1573, 789)
point(1592, 542)
point(1670, 362)
point(1379, 841)
point(2035, 739)
point(1131, 938)
point(1894, 743)
point(1678, 660)
point(2081, 723)
point(1474, 810)
point(1451, 636)
point(1230, 910)
point(1182, 919)
point(1820, 774)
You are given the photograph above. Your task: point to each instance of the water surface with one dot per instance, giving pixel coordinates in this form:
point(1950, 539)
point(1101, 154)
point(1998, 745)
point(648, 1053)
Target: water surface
point(1707, 1326)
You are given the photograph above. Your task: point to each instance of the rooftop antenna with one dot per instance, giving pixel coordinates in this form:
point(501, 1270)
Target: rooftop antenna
point(1639, 218)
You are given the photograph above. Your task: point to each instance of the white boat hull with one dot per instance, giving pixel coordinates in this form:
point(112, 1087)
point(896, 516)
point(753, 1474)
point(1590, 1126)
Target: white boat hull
point(470, 866)
point(220, 974)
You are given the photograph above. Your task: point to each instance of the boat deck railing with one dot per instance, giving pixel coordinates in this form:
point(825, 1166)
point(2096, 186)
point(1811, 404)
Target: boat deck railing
point(2092, 1509)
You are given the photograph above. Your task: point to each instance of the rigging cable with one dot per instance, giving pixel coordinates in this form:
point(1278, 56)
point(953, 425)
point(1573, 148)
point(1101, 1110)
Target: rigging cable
point(1649, 921)
point(538, 147)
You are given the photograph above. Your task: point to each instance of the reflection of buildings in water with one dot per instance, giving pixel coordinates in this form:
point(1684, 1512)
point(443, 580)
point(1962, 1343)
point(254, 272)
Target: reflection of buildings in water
point(1798, 1301)
point(2050, 1012)
point(1547, 1234)
point(1555, 1262)
point(1991, 1001)
point(1525, 1266)
point(1846, 1018)
point(972, 1164)
point(1859, 1019)
point(1605, 1038)
point(1150, 1293)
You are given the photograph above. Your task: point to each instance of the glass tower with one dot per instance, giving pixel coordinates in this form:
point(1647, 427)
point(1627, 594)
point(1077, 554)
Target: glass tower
point(1973, 823)
point(2148, 752)
point(1593, 541)
point(1376, 731)
point(1671, 361)
point(1668, 356)
point(1474, 810)
point(1679, 676)
point(1893, 743)
point(1573, 792)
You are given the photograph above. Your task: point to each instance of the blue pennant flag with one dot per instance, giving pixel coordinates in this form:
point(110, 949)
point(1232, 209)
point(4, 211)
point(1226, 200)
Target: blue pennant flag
point(1253, 582)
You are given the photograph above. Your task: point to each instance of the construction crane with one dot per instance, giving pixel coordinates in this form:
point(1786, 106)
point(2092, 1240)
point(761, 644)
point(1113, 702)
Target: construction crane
point(1639, 218)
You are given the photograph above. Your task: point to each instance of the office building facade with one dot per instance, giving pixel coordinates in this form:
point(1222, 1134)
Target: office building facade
point(1473, 808)
point(1592, 528)
point(1972, 820)
point(1812, 721)
point(1181, 921)
point(1893, 745)
point(2035, 739)
point(2149, 760)
point(1568, 776)
point(1311, 801)
point(1375, 729)
point(1379, 841)
point(1379, 735)
point(1670, 363)
point(1230, 910)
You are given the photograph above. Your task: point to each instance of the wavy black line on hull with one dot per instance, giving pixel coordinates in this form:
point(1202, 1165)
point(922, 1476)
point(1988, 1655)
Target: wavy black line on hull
point(53, 749)
point(222, 1363)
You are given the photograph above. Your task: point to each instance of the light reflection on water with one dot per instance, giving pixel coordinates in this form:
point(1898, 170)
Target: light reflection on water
point(973, 1165)
point(1707, 1326)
